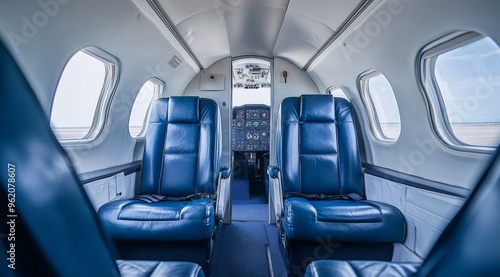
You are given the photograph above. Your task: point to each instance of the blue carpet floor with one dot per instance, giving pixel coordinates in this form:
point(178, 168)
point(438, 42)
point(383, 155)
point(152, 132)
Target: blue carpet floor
point(251, 212)
point(254, 199)
point(241, 189)
point(241, 251)
point(248, 207)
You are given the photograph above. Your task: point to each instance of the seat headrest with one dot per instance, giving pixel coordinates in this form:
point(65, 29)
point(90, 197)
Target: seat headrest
point(317, 108)
point(184, 109)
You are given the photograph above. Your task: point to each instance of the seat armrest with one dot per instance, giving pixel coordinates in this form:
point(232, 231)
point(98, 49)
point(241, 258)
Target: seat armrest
point(223, 195)
point(277, 194)
point(225, 172)
point(273, 172)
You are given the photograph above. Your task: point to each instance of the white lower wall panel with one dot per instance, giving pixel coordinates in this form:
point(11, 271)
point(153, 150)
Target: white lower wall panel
point(427, 213)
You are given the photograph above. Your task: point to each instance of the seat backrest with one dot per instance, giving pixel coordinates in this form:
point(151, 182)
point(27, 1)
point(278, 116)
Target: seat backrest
point(182, 151)
point(317, 146)
point(51, 219)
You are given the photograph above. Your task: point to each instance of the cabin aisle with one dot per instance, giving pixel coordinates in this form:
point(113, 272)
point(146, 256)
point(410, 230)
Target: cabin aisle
point(241, 248)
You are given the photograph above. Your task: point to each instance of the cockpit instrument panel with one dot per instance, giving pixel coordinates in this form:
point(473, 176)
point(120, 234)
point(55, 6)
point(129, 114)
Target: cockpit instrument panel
point(251, 128)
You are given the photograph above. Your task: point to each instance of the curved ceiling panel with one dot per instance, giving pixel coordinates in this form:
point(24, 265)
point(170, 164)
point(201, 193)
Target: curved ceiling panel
point(253, 30)
point(206, 37)
point(199, 24)
point(179, 11)
point(292, 29)
point(308, 25)
point(301, 37)
point(217, 29)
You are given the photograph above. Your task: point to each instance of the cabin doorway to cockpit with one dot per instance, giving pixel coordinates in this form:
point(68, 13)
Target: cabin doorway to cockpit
point(251, 98)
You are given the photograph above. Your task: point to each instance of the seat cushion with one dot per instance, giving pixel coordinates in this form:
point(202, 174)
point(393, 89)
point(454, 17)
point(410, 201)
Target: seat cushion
point(343, 221)
point(162, 221)
point(360, 268)
point(157, 269)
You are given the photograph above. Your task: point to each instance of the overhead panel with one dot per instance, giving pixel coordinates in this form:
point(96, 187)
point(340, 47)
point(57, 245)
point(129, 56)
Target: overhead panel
point(308, 25)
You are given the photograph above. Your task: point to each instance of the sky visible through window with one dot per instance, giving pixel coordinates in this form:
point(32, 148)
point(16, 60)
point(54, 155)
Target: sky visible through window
point(78, 92)
point(243, 96)
point(385, 107)
point(468, 78)
point(469, 81)
point(383, 99)
point(77, 96)
point(141, 107)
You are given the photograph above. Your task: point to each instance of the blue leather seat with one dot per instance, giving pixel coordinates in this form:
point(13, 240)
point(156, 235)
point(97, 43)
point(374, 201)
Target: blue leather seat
point(468, 246)
point(181, 159)
point(56, 230)
point(152, 268)
point(329, 268)
point(324, 208)
point(318, 154)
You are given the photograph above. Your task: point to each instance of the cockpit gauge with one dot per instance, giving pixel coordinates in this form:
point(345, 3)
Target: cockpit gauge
point(240, 114)
point(251, 128)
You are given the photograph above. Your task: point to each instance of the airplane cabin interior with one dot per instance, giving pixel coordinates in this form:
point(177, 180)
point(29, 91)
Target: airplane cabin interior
point(249, 138)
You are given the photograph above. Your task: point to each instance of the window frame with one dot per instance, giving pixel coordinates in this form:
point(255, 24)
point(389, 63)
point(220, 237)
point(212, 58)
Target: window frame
point(101, 113)
point(159, 92)
point(426, 65)
point(334, 87)
point(375, 126)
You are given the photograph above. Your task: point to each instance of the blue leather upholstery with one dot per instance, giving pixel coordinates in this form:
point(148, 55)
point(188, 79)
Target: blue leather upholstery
point(310, 165)
point(342, 221)
point(63, 236)
point(359, 268)
point(151, 268)
point(318, 154)
point(181, 158)
point(182, 149)
point(468, 246)
point(162, 221)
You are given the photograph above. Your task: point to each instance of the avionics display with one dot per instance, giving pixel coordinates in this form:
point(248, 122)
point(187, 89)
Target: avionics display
point(251, 128)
